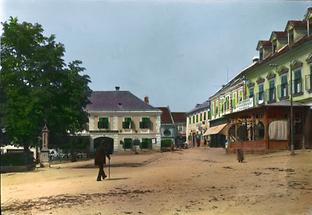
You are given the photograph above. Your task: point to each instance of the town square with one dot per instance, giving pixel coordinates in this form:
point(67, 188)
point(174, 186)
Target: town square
point(156, 107)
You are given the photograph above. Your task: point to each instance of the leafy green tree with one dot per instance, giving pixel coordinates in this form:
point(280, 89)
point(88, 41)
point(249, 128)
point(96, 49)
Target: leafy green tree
point(37, 86)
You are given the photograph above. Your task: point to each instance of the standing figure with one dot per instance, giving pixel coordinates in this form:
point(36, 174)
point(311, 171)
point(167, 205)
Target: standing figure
point(100, 160)
point(240, 155)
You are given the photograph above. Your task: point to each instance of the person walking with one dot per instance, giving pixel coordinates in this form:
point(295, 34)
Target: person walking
point(100, 161)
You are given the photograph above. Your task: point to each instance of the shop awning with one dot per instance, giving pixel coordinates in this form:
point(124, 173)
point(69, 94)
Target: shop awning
point(215, 130)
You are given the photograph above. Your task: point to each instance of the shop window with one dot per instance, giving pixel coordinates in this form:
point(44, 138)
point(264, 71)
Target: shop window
point(259, 131)
point(278, 130)
point(242, 132)
point(232, 136)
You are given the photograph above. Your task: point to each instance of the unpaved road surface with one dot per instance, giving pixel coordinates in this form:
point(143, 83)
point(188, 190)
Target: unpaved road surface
point(193, 181)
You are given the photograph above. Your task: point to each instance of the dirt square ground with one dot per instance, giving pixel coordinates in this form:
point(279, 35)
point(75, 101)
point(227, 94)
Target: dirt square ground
point(192, 181)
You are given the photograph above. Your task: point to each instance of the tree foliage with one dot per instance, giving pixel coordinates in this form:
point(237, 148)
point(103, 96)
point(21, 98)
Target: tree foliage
point(37, 86)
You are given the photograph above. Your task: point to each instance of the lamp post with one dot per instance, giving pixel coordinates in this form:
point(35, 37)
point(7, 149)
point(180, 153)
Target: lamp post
point(292, 151)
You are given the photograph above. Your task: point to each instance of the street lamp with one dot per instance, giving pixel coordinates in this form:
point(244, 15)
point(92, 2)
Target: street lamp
point(292, 151)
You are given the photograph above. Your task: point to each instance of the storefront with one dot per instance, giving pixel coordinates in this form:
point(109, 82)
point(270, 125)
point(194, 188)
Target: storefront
point(267, 128)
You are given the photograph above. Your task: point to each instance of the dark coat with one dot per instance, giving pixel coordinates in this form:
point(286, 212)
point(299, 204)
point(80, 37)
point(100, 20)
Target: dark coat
point(100, 156)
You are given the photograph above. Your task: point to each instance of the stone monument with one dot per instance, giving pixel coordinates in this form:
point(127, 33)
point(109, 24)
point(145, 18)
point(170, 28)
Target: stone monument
point(44, 153)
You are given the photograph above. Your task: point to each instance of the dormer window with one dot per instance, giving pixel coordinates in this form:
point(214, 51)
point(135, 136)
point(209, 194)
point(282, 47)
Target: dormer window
point(274, 46)
point(310, 26)
point(291, 36)
point(261, 54)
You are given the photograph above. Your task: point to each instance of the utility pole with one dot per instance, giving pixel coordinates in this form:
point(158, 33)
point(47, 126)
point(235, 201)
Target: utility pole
point(292, 152)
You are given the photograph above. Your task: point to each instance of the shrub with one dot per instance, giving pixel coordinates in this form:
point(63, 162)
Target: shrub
point(17, 159)
point(166, 143)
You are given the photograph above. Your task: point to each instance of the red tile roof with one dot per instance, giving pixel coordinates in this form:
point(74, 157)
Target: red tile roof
point(264, 43)
point(166, 117)
point(179, 116)
point(279, 34)
point(296, 23)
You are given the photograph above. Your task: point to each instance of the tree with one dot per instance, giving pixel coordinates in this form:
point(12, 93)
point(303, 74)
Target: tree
point(37, 86)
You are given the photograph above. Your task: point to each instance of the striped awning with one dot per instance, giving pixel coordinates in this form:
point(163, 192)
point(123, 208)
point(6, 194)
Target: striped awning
point(215, 130)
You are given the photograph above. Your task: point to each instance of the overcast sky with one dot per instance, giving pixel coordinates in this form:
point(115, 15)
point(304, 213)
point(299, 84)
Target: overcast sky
point(177, 52)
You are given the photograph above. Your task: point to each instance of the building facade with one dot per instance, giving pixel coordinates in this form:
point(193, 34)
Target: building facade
point(197, 123)
point(167, 128)
point(282, 72)
point(124, 120)
point(179, 119)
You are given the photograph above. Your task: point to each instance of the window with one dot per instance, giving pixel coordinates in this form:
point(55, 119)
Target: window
point(193, 118)
point(271, 90)
point(291, 36)
point(284, 86)
point(145, 123)
point(146, 143)
point(310, 77)
point(196, 118)
point(103, 123)
point(274, 46)
point(127, 143)
point(297, 82)
point(309, 80)
point(126, 124)
point(167, 132)
point(209, 115)
point(261, 54)
point(240, 96)
point(204, 116)
point(261, 94)
point(259, 131)
point(251, 92)
point(201, 117)
point(190, 120)
point(278, 130)
point(227, 102)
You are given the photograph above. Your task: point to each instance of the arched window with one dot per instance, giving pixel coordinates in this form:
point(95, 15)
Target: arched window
point(232, 136)
point(259, 131)
point(278, 130)
point(242, 132)
point(167, 132)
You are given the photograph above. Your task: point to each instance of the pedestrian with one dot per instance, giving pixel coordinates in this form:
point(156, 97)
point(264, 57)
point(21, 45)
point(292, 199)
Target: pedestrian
point(240, 155)
point(100, 161)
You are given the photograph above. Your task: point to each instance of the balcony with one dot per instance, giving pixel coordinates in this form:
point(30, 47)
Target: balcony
point(308, 83)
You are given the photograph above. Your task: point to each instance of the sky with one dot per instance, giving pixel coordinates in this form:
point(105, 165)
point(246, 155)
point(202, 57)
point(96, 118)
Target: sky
point(176, 52)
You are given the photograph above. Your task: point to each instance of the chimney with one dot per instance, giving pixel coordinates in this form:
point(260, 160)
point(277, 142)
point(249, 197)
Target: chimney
point(146, 100)
point(117, 88)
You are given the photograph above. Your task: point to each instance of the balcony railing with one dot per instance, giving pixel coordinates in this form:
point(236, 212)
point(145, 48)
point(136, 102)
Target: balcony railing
point(308, 83)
